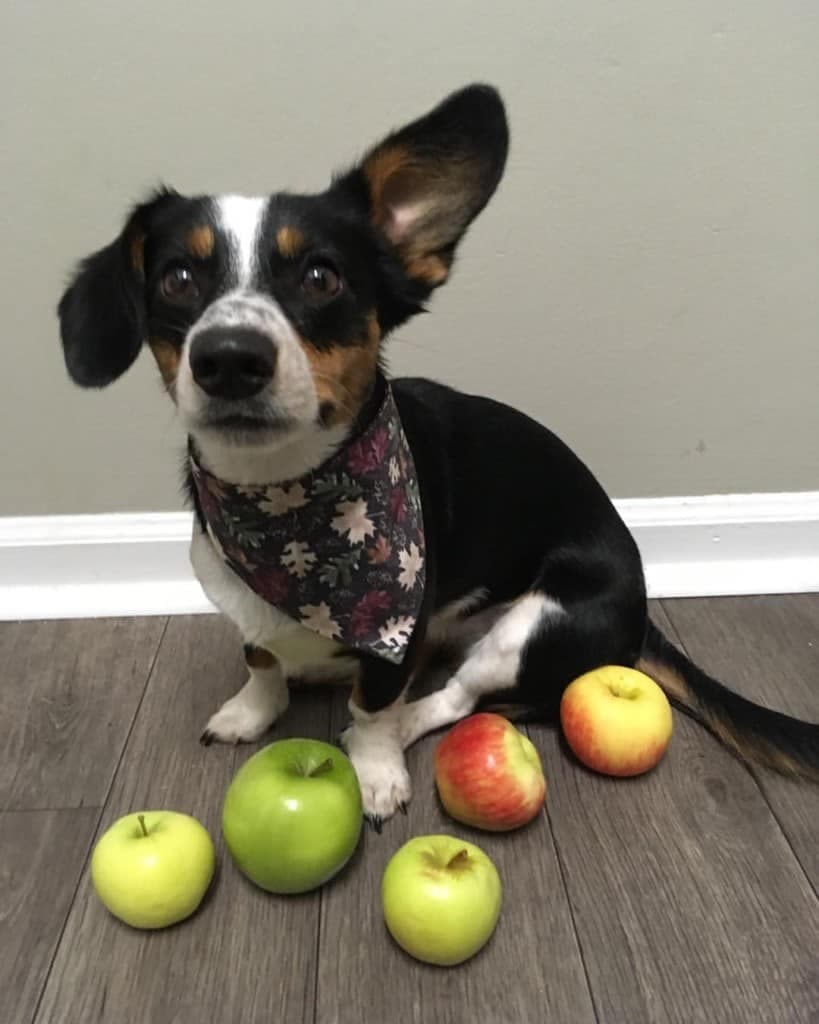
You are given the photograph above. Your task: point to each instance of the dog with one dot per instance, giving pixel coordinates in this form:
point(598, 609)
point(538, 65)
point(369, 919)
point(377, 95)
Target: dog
point(346, 522)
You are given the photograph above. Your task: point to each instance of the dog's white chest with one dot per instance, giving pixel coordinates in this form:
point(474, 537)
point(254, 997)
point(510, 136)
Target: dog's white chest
point(258, 622)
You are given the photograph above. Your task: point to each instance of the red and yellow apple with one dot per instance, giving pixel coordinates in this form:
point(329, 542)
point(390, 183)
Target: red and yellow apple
point(488, 774)
point(616, 720)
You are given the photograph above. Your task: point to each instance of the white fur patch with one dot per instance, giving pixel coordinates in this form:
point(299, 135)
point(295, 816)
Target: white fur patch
point(240, 217)
point(441, 708)
point(287, 458)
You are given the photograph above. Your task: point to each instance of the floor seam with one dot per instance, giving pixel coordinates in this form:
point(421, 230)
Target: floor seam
point(753, 773)
point(100, 812)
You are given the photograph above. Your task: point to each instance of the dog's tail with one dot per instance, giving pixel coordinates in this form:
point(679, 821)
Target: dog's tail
point(755, 734)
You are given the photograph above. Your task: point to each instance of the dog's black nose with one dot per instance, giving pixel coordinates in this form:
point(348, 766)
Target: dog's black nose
point(232, 362)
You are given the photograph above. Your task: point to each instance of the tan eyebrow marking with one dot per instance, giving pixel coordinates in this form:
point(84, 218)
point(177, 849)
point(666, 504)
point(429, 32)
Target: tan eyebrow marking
point(289, 241)
point(200, 242)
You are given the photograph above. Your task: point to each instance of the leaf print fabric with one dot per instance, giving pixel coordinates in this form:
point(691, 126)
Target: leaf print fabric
point(279, 499)
point(412, 561)
point(353, 520)
point(298, 558)
point(341, 550)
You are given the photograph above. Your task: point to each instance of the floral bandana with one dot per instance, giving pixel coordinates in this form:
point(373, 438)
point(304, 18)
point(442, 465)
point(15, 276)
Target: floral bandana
point(340, 550)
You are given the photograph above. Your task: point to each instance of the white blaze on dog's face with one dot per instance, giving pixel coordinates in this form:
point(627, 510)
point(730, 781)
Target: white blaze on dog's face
point(266, 316)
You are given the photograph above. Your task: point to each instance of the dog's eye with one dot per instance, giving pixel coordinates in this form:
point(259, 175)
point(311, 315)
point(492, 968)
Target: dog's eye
point(321, 281)
point(179, 285)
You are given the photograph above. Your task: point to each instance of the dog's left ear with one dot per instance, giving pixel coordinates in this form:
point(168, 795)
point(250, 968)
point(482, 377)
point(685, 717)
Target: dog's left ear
point(427, 182)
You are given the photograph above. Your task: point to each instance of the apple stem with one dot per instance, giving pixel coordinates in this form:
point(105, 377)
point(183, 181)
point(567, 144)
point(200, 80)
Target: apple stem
point(141, 820)
point(325, 766)
point(459, 860)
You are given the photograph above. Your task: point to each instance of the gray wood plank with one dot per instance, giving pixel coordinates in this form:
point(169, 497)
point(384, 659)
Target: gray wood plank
point(245, 956)
point(68, 693)
point(530, 971)
point(688, 901)
point(41, 857)
point(767, 649)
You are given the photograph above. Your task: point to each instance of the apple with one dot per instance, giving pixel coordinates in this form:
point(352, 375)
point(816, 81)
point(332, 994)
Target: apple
point(292, 815)
point(616, 720)
point(151, 869)
point(489, 774)
point(441, 899)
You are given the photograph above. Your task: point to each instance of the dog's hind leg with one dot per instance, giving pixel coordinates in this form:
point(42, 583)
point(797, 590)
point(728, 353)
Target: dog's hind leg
point(491, 665)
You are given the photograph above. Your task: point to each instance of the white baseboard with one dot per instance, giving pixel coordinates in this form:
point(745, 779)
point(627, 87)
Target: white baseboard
point(54, 567)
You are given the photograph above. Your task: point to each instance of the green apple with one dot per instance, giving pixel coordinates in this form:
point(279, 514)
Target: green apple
point(292, 815)
point(151, 869)
point(441, 899)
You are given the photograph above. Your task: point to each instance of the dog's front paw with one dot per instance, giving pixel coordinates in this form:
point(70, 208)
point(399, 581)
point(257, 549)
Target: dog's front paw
point(382, 775)
point(247, 716)
point(385, 789)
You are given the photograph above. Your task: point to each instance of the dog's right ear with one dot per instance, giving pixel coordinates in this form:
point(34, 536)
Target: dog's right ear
point(102, 312)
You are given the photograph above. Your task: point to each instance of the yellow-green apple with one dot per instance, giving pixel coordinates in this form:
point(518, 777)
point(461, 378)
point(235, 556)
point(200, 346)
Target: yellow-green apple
point(292, 815)
point(489, 774)
point(616, 720)
point(152, 868)
point(441, 899)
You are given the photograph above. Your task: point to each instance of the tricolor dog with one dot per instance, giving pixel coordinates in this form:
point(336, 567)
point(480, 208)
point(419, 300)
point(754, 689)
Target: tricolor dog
point(346, 522)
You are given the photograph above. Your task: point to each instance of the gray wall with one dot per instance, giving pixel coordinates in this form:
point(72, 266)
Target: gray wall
point(646, 281)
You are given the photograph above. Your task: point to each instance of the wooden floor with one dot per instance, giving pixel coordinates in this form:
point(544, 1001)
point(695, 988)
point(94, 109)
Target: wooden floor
point(687, 895)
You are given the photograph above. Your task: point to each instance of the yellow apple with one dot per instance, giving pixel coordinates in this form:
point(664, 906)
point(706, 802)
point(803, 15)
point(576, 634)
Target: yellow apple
point(151, 869)
point(441, 898)
point(616, 720)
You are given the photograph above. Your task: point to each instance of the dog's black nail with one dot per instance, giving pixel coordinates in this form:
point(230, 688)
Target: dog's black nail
point(206, 738)
point(402, 806)
point(377, 822)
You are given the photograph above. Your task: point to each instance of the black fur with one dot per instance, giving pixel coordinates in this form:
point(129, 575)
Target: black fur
point(102, 313)
point(101, 318)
